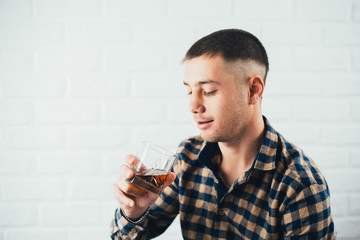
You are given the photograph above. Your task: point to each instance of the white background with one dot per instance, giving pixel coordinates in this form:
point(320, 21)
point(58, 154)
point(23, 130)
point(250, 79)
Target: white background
point(83, 81)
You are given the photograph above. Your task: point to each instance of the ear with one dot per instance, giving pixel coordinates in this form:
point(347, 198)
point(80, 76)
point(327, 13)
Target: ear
point(256, 88)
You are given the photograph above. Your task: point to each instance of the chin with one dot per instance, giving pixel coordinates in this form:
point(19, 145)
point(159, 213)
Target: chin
point(210, 138)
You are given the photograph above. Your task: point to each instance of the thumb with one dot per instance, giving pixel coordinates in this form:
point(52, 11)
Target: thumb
point(170, 178)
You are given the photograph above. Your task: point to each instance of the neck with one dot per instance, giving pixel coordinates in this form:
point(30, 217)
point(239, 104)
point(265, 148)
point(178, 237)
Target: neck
point(239, 154)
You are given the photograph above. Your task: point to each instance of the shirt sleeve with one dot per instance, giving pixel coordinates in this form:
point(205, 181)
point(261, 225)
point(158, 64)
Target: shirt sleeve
point(308, 215)
point(122, 229)
point(161, 215)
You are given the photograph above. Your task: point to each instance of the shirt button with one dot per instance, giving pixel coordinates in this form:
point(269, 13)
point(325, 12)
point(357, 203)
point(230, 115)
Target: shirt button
point(133, 230)
point(221, 213)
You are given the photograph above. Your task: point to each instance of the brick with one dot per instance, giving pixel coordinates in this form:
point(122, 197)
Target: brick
point(354, 208)
point(281, 85)
point(295, 34)
point(134, 111)
point(135, 59)
point(342, 180)
point(187, 8)
point(94, 233)
point(35, 233)
point(90, 189)
point(69, 59)
point(34, 189)
point(69, 111)
point(16, 214)
point(347, 228)
point(342, 35)
point(16, 59)
point(33, 85)
point(321, 10)
point(68, 9)
point(160, 84)
point(339, 206)
point(276, 108)
point(17, 112)
point(210, 27)
point(15, 10)
point(249, 10)
point(99, 33)
point(280, 59)
point(356, 12)
point(113, 160)
point(355, 109)
point(320, 60)
point(97, 137)
point(178, 112)
point(329, 158)
point(115, 9)
point(315, 109)
point(32, 34)
point(340, 134)
point(298, 133)
point(355, 60)
point(70, 214)
point(101, 85)
point(108, 210)
point(354, 158)
point(74, 163)
point(168, 136)
point(166, 33)
point(15, 162)
point(176, 54)
point(341, 85)
point(33, 138)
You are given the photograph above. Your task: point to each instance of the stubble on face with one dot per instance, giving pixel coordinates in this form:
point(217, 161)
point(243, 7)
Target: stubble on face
point(233, 119)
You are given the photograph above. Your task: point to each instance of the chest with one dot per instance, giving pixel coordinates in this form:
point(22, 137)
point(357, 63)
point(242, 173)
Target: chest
point(245, 211)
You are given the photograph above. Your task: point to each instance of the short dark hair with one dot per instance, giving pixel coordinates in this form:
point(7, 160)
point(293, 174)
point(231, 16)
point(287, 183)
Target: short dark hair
point(232, 45)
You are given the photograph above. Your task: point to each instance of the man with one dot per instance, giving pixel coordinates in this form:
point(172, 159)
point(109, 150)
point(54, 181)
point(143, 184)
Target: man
point(239, 179)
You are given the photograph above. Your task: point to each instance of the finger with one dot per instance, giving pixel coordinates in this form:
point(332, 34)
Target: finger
point(130, 189)
point(170, 179)
point(121, 197)
point(126, 172)
point(131, 160)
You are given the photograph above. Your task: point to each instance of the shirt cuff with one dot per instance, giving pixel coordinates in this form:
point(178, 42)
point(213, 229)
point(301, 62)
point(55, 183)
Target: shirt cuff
point(126, 228)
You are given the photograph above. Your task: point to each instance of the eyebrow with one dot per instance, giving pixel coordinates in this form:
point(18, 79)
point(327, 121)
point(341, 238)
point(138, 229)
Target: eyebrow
point(204, 82)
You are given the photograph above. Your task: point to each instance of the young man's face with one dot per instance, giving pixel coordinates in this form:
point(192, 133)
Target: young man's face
point(219, 105)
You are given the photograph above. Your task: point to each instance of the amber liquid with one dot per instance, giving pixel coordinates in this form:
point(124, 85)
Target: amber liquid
point(150, 179)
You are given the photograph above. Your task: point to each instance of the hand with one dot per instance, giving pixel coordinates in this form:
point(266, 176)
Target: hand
point(134, 200)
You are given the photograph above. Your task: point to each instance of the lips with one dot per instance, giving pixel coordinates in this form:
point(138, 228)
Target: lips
point(203, 124)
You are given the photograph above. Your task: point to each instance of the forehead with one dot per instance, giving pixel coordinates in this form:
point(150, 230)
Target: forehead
point(209, 69)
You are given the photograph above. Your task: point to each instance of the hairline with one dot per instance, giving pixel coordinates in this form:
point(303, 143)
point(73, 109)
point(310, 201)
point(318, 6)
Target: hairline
point(240, 62)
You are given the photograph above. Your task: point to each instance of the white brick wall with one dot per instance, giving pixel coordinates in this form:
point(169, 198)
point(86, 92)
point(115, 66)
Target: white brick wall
point(83, 81)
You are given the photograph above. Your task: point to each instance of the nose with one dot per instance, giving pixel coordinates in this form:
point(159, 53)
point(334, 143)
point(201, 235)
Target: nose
point(196, 105)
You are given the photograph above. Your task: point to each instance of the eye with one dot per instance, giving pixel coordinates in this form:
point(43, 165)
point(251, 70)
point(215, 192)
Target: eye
point(189, 93)
point(210, 93)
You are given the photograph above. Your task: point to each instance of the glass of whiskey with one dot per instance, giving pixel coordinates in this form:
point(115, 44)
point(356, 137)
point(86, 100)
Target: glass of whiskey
point(152, 167)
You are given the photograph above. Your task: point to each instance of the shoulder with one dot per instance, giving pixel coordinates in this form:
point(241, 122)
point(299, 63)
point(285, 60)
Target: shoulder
point(190, 148)
point(299, 170)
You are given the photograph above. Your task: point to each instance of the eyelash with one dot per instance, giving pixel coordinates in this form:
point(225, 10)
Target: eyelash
point(210, 93)
point(205, 93)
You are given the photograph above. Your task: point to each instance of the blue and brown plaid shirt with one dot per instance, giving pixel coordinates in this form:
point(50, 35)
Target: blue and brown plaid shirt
point(282, 196)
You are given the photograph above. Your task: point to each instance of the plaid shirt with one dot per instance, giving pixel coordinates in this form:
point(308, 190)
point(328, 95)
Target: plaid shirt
point(282, 196)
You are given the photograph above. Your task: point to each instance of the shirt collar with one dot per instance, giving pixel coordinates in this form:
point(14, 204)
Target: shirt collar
point(265, 159)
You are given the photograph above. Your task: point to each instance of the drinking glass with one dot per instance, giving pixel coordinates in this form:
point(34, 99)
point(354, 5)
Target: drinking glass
point(152, 167)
